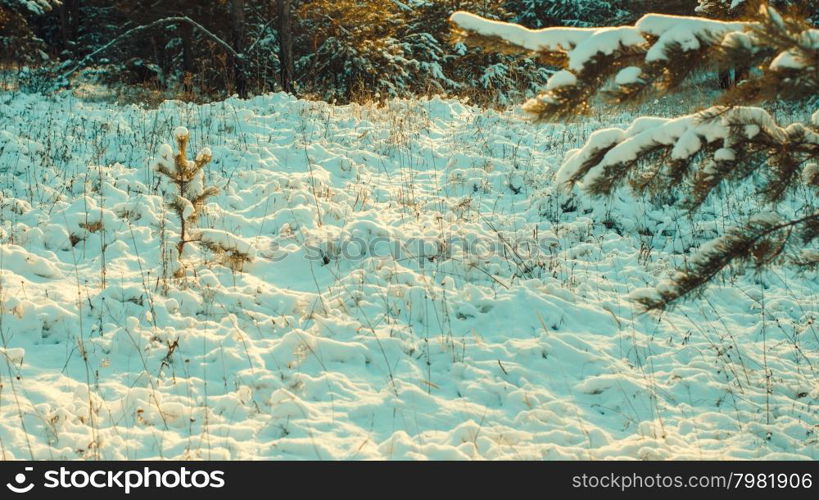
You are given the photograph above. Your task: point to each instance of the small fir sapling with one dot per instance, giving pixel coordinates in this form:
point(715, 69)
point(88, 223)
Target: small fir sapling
point(188, 200)
point(188, 178)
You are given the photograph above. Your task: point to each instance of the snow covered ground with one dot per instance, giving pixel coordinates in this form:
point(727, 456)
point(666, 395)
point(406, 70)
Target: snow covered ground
point(420, 289)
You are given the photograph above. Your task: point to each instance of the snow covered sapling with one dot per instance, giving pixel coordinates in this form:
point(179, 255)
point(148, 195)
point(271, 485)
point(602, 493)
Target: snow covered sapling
point(188, 178)
point(188, 201)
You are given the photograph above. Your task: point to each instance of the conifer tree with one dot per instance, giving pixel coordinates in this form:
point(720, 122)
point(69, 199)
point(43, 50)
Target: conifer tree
point(188, 179)
point(187, 200)
point(484, 76)
point(547, 13)
point(17, 39)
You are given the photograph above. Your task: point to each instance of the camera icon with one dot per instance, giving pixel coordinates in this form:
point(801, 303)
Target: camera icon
point(20, 479)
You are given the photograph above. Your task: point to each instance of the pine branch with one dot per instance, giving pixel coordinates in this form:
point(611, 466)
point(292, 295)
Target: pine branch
point(565, 101)
point(757, 241)
point(199, 201)
point(786, 51)
point(162, 169)
point(706, 149)
point(695, 154)
point(496, 44)
point(658, 53)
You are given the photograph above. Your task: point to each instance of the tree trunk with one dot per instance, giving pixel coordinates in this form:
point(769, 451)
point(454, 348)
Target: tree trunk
point(75, 18)
point(286, 45)
point(742, 73)
point(69, 22)
point(158, 48)
point(237, 14)
point(186, 33)
point(725, 80)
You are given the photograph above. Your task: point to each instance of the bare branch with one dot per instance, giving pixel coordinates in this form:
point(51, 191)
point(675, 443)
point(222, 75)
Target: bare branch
point(139, 29)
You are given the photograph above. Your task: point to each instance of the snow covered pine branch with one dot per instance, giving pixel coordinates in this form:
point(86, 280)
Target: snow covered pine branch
point(36, 7)
point(658, 52)
point(696, 154)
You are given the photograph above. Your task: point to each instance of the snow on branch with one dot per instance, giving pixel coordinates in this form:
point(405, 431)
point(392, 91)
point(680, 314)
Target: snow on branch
point(224, 242)
point(658, 153)
point(791, 68)
point(758, 242)
point(693, 155)
point(659, 51)
point(36, 7)
point(541, 40)
point(689, 33)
